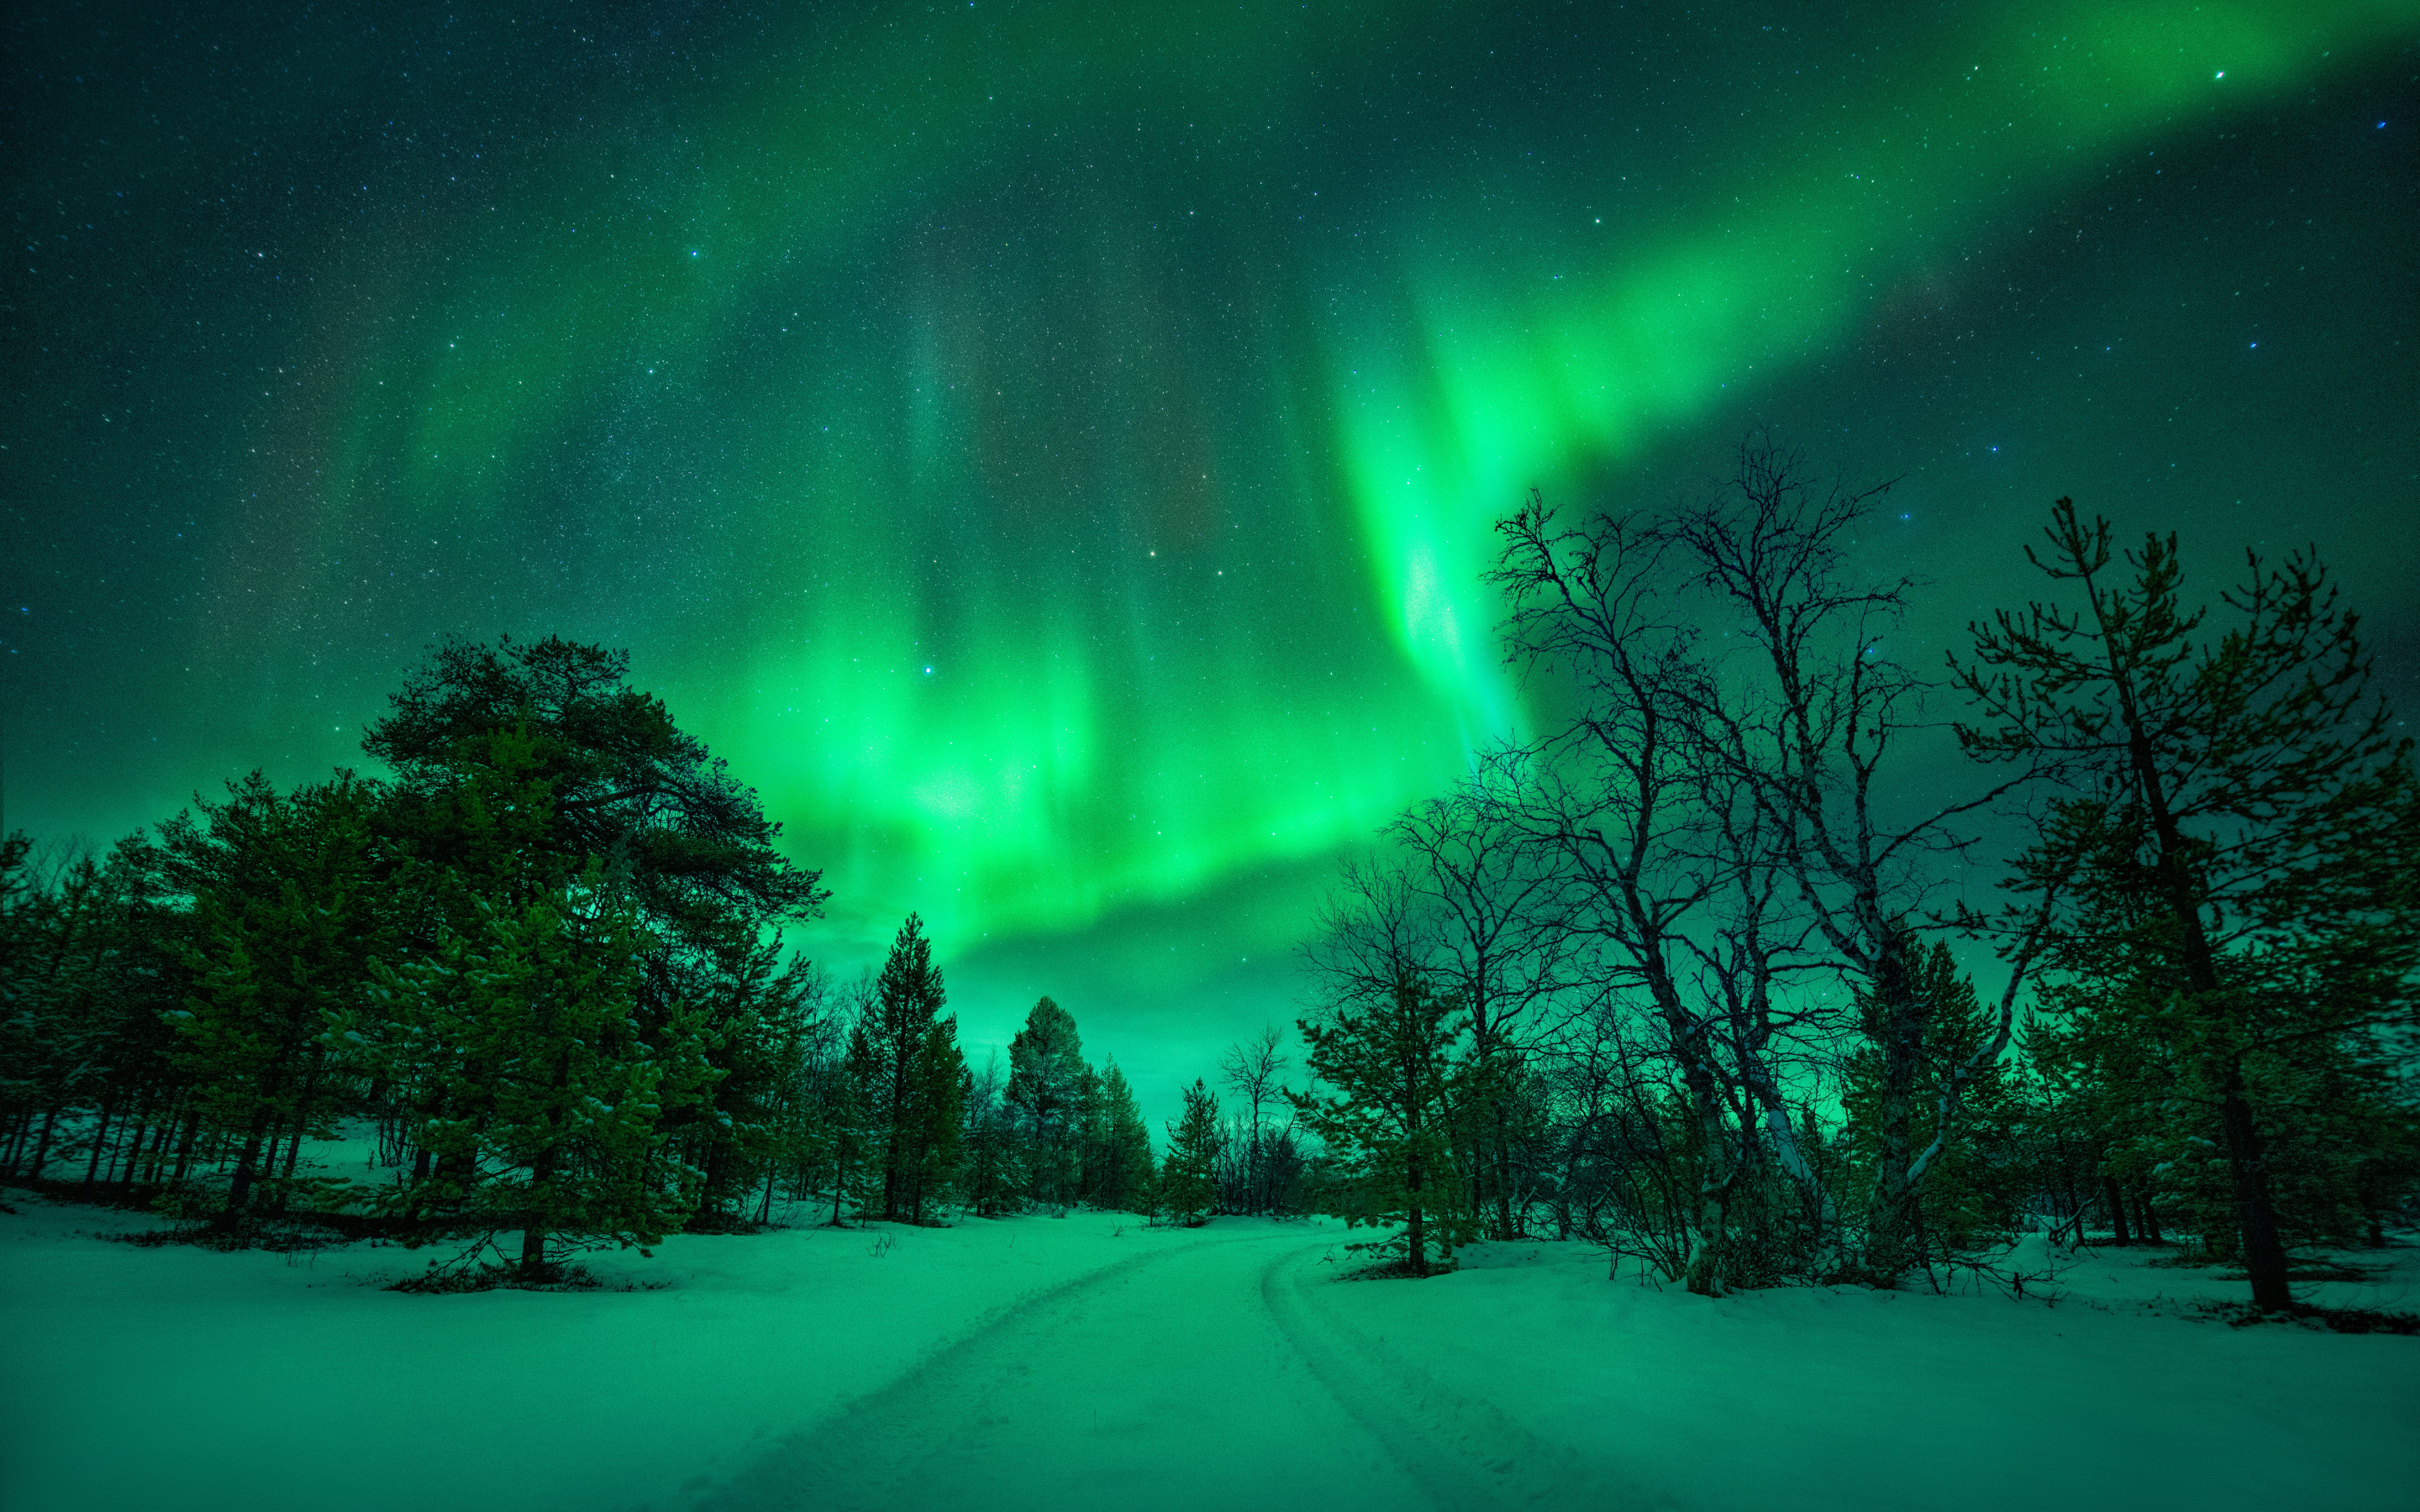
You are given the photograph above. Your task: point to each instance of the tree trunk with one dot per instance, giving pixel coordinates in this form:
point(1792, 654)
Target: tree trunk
point(1902, 1012)
point(17, 1136)
point(2264, 1255)
point(240, 1186)
point(1505, 1227)
point(2149, 1222)
point(158, 1152)
point(185, 1144)
point(43, 1147)
point(1711, 1219)
point(2116, 1201)
point(100, 1143)
point(134, 1151)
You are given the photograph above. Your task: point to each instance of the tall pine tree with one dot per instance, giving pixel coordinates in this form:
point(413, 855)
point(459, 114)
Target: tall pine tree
point(2242, 825)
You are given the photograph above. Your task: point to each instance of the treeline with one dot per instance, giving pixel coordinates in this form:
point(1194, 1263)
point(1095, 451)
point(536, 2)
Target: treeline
point(538, 971)
point(1677, 977)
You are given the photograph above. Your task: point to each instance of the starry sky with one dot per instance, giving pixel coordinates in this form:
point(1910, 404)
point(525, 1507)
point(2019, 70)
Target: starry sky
point(1051, 449)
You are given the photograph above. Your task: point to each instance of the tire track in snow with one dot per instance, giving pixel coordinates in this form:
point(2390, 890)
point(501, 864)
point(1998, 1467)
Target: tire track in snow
point(859, 1454)
point(1203, 1375)
point(1464, 1452)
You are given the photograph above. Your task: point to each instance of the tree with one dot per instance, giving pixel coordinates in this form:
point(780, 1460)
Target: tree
point(280, 885)
point(1626, 798)
point(2241, 818)
point(1254, 1070)
point(552, 1099)
point(1046, 1085)
point(912, 1070)
point(1392, 1063)
point(937, 1116)
point(1127, 1175)
point(1809, 720)
point(689, 848)
point(1188, 1186)
point(628, 785)
point(1496, 904)
point(1973, 1196)
point(990, 1176)
point(856, 1157)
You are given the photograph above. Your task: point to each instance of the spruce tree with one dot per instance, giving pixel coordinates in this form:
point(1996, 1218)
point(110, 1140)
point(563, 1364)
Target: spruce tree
point(1126, 1181)
point(854, 1128)
point(1045, 1084)
point(1961, 1118)
point(936, 1118)
point(1188, 1186)
point(907, 999)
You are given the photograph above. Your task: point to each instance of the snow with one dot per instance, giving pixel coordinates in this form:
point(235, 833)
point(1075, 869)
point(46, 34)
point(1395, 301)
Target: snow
point(1091, 1362)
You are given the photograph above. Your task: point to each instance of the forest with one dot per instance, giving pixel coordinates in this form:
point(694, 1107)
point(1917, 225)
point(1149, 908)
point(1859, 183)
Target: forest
point(1691, 976)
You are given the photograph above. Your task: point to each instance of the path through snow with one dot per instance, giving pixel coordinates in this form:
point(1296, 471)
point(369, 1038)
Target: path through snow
point(1203, 1377)
point(1086, 1361)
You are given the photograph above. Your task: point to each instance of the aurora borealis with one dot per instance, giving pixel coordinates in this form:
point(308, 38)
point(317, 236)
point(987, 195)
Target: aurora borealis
point(1049, 450)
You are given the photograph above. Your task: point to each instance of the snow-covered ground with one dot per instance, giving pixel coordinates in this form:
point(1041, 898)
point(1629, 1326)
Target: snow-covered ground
point(1089, 1362)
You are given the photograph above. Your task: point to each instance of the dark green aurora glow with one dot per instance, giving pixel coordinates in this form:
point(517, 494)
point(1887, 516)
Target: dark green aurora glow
point(1050, 448)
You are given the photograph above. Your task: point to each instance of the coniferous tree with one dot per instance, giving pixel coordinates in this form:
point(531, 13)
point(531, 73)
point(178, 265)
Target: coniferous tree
point(936, 1118)
point(288, 935)
point(1089, 1136)
point(988, 1178)
point(1188, 1185)
point(1970, 1198)
point(1127, 1180)
point(553, 1098)
point(900, 1064)
point(626, 782)
point(2242, 828)
point(857, 1124)
point(1046, 1086)
point(1392, 1063)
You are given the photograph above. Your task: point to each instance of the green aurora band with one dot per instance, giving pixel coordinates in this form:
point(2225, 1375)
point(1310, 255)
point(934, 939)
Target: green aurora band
point(1056, 465)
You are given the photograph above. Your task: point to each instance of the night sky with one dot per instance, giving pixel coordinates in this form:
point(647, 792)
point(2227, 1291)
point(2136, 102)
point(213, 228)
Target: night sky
point(1049, 448)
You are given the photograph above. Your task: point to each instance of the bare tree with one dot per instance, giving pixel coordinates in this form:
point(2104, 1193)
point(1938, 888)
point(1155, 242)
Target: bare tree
point(1254, 1070)
point(1809, 715)
point(1621, 796)
point(1494, 902)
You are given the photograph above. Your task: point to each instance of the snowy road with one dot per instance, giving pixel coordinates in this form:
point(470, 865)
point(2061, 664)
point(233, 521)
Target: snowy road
point(1202, 1375)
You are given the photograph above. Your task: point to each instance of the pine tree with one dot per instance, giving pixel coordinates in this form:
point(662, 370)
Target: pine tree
point(907, 999)
point(1392, 1066)
point(988, 1176)
point(287, 933)
point(2240, 834)
point(936, 1118)
point(855, 1128)
point(1969, 1194)
point(1128, 1177)
point(1188, 1186)
point(551, 1098)
point(1046, 1079)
